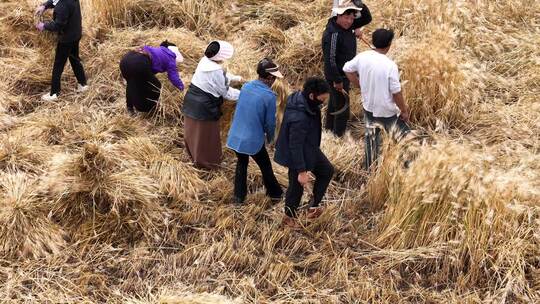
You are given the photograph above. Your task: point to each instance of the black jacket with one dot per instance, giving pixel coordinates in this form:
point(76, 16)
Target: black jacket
point(200, 105)
point(339, 45)
point(299, 139)
point(66, 20)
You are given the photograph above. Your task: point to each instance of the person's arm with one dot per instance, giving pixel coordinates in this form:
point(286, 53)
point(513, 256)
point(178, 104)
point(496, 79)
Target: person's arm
point(400, 102)
point(270, 118)
point(232, 94)
point(174, 76)
point(351, 71)
point(297, 136)
point(220, 82)
point(61, 18)
point(43, 7)
point(395, 89)
point(364, 19)
point(329, 53)
point(353, 78)
point(232, 77)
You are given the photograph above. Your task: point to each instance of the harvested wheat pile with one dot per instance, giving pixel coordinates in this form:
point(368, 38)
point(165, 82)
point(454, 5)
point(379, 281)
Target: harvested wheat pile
point(199, 17)
point(17, 153)
point(100, 194)
point(463, 206)
point(25, 230)
point(196, 299)
point(177, 178)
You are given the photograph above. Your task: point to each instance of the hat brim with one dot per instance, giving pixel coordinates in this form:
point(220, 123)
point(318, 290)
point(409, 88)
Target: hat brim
point(276, 73)
point(341, 10)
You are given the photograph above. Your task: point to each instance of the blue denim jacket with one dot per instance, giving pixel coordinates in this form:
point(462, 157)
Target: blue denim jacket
point(254, 117)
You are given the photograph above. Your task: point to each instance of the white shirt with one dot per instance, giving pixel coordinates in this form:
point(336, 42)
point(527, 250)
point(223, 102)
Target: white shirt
point(379, 80)
point(210, 77)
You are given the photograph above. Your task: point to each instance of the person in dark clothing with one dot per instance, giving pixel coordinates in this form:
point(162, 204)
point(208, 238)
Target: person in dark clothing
point(339, 47)
point(298, 148)
point(67, 22)
point(139, 68)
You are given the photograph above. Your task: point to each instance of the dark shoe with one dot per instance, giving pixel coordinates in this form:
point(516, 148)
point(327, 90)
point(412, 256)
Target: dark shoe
point(238, 201)
point(276, 199)
point(291, 223)
point(314, 212)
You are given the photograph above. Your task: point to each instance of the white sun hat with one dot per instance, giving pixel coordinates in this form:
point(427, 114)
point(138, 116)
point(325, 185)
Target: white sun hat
point(226, 51)
point(176, 51)
point(344, 5)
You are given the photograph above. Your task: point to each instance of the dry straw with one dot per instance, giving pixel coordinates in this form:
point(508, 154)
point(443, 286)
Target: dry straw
point(100, 206)
point(435, 85)
point(197, 16)
point(25, 230)
point(458, 204)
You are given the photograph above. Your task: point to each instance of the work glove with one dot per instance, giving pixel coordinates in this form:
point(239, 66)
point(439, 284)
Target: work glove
point(40, 10)
point(40, 26)
point(232, 77)
point(235, 78)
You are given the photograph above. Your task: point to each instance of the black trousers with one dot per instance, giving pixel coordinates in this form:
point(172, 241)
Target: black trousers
point(373, 136)
point(143, 88)
point(273, 189)
point(65, 51)
point(337, 123)
point(323, 172)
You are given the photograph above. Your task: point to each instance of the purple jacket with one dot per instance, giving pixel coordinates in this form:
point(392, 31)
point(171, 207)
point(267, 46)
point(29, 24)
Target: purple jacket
point(164, 60)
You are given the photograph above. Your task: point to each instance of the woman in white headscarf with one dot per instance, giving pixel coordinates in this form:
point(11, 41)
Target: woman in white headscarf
point(202, 105)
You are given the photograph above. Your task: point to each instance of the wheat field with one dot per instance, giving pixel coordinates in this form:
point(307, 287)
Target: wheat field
point(99, 206)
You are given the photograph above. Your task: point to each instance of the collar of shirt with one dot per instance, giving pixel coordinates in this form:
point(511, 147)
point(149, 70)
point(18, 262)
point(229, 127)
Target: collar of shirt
point(207, 65)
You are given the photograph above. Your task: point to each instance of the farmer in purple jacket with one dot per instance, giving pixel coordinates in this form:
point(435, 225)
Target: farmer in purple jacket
point(139, 68)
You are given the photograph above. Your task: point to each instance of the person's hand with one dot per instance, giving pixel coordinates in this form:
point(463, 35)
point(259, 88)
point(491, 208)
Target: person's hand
point(40, 26)
point(304, 178)
point(358, 33)
point(338, 86)
point(40, 10)
point(236, 78)
point(404, 116)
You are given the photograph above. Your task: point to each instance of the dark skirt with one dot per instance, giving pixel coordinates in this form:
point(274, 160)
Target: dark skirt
point(143, 88)
point(203, 142)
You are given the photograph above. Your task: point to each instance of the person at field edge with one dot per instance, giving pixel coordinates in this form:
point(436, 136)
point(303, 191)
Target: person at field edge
point(67, 22)
point(339, 46)
point(138, 69)
point(255, 117)
point(378, 78)
point(209, 86)
point(298, 148)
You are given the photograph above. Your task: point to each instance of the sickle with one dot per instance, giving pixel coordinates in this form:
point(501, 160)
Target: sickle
point(345, 107)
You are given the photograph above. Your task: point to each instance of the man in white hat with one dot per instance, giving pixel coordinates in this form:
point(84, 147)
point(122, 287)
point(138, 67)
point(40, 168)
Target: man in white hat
point(254, 121)
point(339, 46)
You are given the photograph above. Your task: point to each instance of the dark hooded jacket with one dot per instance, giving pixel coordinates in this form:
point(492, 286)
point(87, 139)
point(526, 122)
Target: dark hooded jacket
point(299, 139)
point(67, 20)
point(339, 45)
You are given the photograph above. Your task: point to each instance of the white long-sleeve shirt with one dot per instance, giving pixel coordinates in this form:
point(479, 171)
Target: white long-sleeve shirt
point(211, 78)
